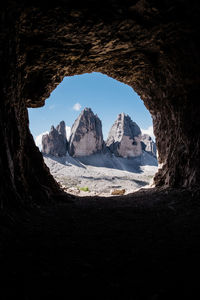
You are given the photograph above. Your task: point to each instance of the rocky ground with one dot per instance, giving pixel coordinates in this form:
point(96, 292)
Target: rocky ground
point(102, 174)
point(142, 246)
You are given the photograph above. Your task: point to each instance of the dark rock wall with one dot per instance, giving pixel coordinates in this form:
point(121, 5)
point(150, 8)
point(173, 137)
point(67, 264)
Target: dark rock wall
point(24, 176)
point(152, 46)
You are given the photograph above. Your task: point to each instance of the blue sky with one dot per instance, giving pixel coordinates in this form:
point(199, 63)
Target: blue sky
point(105, 96)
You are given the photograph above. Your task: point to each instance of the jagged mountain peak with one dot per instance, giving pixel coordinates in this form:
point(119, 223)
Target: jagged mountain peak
point(55, 142)
point(124, 137)
point(86, 134)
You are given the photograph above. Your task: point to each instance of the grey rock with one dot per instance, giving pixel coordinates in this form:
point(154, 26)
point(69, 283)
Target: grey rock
point(86, 135)
point(148, 144)
point(61, 128)
point(55, 143)
point(124, 137)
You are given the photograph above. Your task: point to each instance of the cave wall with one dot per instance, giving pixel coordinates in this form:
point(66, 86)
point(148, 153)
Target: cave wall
point(150, 45)
point(24, 176)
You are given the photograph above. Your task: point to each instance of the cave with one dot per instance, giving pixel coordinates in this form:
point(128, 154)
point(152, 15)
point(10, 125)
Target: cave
point(153, 47)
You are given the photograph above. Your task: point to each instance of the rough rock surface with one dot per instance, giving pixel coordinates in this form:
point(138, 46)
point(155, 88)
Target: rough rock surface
point(148, 144)
point(124, 137)
point(86, 134)
point(152, 46)
point(61, 129)
point(55, 143)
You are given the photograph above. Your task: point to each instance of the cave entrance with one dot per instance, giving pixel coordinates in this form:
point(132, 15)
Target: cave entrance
point(103, 143)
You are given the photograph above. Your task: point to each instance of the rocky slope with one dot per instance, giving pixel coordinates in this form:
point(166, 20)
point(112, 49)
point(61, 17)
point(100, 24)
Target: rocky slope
point(124, 137)
point(102, 174)
point(86, 135)
point(55, 143)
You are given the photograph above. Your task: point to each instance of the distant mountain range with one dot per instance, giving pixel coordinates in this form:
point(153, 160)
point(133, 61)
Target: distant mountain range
point(125, 138)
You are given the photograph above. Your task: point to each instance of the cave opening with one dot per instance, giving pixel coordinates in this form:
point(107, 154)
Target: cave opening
point(139, 246)
point(142, 45)
point(103, 144)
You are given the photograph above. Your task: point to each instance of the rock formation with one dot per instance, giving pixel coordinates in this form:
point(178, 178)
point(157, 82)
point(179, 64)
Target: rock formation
point(55, 143)
point(148, 144)
point(124, 137)
point(61, 128)
point(86, 134)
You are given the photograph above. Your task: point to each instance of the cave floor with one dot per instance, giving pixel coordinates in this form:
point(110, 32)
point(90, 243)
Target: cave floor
point(141, 246)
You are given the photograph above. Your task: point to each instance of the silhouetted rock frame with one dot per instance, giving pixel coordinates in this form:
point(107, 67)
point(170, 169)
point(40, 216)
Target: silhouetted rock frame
point(153, 46)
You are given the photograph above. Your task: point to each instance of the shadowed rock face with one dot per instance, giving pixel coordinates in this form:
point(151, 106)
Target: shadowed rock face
point(55, 143)
point(148, 144)
point(124, 137)
point(86, 134)
point(150, 45)
point(61, 129)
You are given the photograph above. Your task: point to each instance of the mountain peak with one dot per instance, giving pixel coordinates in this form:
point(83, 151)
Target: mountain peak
point(86, 134)
point(55, 143)
point(124, 137)
point(88, 109)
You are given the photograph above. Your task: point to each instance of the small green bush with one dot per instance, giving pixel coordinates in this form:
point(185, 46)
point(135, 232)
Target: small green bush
point(84, 189)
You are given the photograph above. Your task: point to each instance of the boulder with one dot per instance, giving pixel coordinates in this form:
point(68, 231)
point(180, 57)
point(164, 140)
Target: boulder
point(55, 143)
point(86, 135)
point(124, 137)
point(118, 192)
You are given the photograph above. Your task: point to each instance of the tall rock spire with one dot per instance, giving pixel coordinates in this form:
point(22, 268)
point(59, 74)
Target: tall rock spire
point(124, 137)
point(55, 143)
point(86, 134)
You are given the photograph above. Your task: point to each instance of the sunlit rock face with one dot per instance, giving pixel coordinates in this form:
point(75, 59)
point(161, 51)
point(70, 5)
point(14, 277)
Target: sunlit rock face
point(148, 144)
point(55, 143)
point(124, 137)
point(86, 135)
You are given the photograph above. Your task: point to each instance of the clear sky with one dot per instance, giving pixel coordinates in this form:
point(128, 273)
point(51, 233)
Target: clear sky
point(106, 97)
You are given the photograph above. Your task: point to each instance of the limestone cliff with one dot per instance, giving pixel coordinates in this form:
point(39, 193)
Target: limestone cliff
point(148, 144)
point(124, 137)
point(86, 135)
point(55, 143)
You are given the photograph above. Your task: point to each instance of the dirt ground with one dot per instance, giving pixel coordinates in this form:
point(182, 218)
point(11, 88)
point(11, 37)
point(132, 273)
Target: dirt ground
point(139, 246)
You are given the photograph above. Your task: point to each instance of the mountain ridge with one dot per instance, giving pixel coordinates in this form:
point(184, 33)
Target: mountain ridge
point(125, 138)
